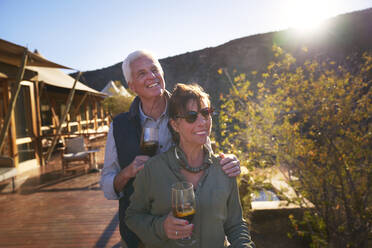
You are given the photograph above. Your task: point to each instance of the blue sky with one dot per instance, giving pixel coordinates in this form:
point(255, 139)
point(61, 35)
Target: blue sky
point(92, 34)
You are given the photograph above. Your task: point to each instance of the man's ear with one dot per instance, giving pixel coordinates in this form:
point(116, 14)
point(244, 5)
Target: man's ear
point(130, 85)
point(174, 125)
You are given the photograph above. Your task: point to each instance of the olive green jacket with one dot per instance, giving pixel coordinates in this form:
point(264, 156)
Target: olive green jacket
point(218, 209)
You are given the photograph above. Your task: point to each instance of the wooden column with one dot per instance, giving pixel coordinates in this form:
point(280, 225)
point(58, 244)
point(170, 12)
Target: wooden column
point(87, 115)
point(39, 147)
point(54, 115)
point(35, 130)
point(12, 138)
point(13, 100)
point(78, 119)
point(95, 115)
point(68, 119)
point(102, 115)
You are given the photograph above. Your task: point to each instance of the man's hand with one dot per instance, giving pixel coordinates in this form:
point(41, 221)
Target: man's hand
point(128, 172)
point(176, 228)
point(230, 164)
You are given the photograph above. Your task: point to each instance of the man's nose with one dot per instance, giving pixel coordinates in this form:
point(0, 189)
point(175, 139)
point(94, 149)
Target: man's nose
point(152, 74)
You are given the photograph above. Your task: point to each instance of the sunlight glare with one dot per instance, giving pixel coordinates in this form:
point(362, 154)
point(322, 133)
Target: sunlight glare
point(308, 15)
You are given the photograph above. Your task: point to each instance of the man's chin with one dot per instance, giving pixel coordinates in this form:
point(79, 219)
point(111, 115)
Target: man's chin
point(155, 93)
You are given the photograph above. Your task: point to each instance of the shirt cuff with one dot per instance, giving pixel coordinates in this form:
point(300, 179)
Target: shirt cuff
point(108, 188)
point(159, 227)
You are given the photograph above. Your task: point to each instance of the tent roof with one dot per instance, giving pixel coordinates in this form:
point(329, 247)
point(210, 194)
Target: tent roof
point(11, 54)
point(58, 78)
point(111, 89)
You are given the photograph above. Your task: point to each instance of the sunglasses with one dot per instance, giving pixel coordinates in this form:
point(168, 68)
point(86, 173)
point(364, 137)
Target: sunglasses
point(191, 116)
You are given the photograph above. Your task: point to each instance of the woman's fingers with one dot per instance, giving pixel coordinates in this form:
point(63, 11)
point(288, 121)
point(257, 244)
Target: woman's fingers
point(177, 228)
point(181, 232)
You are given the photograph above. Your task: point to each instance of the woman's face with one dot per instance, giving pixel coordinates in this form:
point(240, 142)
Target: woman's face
point(196, 133)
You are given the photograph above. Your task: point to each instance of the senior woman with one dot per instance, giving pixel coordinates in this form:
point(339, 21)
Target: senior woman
point(218, 210)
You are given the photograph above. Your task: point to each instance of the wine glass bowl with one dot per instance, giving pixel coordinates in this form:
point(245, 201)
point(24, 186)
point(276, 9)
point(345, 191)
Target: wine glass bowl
point(184, 206)
point(149, 141)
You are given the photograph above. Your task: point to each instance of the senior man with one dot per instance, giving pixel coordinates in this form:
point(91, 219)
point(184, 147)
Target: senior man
point(123, 161)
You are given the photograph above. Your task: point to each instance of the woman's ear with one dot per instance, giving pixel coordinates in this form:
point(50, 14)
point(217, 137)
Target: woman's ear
point(174, 125)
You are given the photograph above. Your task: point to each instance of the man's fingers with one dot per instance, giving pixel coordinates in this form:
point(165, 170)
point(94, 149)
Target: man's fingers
point(230, 164)
point(227, 158)
point(140, 160)
point(140, 167)
point(143, 157)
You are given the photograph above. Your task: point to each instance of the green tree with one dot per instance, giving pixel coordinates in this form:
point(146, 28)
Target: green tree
point(117, 103)
point(314, 121)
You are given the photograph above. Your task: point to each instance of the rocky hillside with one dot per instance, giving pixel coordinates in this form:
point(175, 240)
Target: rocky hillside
point(340, 36)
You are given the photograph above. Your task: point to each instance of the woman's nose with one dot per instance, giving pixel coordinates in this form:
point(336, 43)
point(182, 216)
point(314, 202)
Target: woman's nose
point(201, 119)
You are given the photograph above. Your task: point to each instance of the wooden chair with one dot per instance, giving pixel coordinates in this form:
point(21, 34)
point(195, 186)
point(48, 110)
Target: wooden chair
point(7, 169)
point(75, 153)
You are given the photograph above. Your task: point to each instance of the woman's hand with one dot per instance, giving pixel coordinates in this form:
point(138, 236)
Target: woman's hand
point(230, 164)
point(176, 228)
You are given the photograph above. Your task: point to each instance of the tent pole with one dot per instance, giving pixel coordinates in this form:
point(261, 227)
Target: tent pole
point(15, 92)
point(63, 118)
point(77, 109)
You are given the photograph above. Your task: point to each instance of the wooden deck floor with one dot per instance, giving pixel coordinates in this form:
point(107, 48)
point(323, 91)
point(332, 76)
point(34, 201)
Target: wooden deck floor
point(49, 209)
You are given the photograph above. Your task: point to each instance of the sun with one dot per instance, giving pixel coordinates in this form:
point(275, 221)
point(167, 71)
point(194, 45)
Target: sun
point(308, 15)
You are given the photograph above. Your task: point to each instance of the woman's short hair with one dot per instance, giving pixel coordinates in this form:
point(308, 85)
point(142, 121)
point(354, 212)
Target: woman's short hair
point(127, 70)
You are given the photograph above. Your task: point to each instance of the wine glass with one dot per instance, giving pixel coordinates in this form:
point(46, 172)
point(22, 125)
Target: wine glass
point(149, 141)
point(184, 207)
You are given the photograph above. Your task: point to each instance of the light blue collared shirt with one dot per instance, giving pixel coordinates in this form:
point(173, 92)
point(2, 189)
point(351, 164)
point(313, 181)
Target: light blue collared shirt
point(111, 165)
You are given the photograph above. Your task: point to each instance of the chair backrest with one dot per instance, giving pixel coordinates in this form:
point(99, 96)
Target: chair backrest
point(6, 161)
point(75, 145)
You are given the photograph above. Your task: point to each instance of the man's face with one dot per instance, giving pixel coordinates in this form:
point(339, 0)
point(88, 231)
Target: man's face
point(147, 78)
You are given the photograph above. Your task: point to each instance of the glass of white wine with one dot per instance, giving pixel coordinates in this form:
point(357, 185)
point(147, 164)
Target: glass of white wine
point(184, 207)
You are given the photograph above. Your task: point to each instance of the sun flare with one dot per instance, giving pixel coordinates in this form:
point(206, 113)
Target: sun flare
point(305, 15)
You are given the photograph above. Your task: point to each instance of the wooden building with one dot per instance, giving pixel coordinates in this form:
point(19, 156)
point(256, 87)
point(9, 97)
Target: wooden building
point(44, 91)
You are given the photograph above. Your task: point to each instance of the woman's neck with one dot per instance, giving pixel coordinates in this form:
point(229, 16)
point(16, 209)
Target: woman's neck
point(194, 155)
point(154, 107)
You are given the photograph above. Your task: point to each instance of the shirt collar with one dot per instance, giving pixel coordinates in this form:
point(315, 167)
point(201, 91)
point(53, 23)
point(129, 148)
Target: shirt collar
point(144, 117)
point(134, 107)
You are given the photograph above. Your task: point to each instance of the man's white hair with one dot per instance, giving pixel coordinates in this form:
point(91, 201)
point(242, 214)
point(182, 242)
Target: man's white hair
point(127, 71)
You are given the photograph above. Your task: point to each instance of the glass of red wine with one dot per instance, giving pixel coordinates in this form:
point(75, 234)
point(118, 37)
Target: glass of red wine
point(149, 141)
point(184, 207)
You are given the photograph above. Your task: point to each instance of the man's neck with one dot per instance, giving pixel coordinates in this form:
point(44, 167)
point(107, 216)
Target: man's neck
point(154, 107)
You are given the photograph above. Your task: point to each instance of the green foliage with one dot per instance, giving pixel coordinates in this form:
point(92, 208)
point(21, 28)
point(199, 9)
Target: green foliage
point(314, 121)
point(117, 103)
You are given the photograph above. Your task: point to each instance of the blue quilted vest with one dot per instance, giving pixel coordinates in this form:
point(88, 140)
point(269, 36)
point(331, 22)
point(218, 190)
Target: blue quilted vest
point(127, 132)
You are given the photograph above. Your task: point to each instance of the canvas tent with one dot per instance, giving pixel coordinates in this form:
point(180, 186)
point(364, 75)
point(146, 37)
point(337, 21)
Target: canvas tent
point(56, 77)
point(111, 89)
point(11, 54)
point(44, 91)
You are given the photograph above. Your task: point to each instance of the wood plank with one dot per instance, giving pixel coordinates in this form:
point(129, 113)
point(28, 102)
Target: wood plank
point(51, 210)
